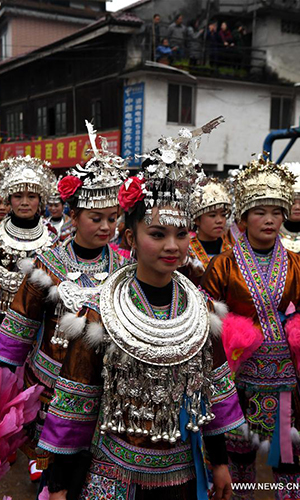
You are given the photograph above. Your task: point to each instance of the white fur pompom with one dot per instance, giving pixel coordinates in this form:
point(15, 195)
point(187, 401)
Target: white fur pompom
point(255, 440)
point(196, 264)
point(220, 308)
point(215, 325)
point(26, 265)
point(295, 436)
point(94, 335)
point(53, 294)
point(72, 325)
point(265, 446)
point(41, 278)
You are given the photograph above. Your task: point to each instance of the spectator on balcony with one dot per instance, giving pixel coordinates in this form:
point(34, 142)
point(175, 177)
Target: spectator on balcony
point(227, 44)
point(195, 43)
point(164, 53)
point(239, 36)
point(177, 36)
point(212, 44)
point(155, 34)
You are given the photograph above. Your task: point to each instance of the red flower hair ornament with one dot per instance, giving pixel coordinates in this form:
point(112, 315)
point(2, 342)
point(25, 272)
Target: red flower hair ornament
point(131, 191)
point(68, 186)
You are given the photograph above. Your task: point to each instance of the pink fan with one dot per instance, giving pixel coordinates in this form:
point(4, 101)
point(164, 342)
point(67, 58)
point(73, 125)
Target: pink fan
point(17, 408)
point(240, 339)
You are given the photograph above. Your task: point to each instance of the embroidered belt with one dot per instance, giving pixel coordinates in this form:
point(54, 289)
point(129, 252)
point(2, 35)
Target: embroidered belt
point(269, 368)
point(150, 468)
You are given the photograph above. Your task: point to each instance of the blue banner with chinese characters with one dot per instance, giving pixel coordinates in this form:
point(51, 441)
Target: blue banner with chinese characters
point(132, 131)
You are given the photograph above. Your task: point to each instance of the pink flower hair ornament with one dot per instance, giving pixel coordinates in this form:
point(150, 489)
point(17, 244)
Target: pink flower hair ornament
point(131, 191)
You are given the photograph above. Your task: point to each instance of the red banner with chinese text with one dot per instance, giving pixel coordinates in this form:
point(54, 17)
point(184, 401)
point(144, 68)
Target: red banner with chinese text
point(62, 152)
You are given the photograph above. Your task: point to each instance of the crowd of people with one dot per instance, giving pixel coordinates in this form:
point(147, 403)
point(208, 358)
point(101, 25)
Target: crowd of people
point(202, 43)
point(149, 342)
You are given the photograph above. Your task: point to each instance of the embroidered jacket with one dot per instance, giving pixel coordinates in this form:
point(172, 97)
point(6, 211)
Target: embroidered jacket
point(266, 381)
point(74, 423)
point(64, 229)
point(29, 325)
point(198, 252)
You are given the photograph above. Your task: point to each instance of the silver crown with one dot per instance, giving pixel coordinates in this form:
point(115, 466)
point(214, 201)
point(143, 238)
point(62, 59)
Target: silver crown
point(26, 173)
point(210, 194)
point(102, 175)
point(171, 172)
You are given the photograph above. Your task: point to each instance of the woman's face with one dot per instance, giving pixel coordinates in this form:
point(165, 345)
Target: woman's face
point(211, 226)
point(4, 209)
point(263, 225)
point(25, 204)
point(95, 227)
point(56, 209)
point(295, 211)
point(160, 249)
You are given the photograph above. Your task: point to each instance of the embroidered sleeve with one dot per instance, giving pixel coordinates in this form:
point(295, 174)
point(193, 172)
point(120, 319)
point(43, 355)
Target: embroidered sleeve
point(22, 321)
point(16, 336)
point(225, 403)
point(74, 409)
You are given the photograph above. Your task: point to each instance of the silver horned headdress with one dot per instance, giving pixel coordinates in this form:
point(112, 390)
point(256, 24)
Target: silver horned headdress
point(167, 177)
point(25, 173)
point(97, 183)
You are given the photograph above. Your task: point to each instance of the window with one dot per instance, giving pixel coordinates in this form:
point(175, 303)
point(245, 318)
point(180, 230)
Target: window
point(15, 124)
point(97, 113)
point(60, 118)
point(3, 45)
point(282, 112)
point(42, 121)
point(180, 104)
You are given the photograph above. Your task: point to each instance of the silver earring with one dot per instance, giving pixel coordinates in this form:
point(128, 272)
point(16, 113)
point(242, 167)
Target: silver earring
point(132, 255)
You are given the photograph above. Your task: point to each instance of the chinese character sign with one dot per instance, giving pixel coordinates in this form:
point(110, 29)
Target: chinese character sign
point(62, 152)
point(132, 132)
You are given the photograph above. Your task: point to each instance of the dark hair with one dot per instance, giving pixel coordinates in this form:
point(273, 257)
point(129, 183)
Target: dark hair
point(155, 15)
point(77, 211)
point(178, 16)
point(132, 219)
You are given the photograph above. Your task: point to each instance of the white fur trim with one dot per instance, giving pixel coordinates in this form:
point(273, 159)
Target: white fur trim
point(41, 278)
point(215, 325)
point(53, 294)
point(264, 446)
point(94, 335)
point(220, 308)
point(255, 440)
point(26, 265)
point(245, 430)
point(72, 325)
point(295, 436)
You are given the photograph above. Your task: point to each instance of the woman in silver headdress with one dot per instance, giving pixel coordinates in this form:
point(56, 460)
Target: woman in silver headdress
point(63, 278)
point(259, 281)
point(141, 388)
point(60, 221)
point(26, 185)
